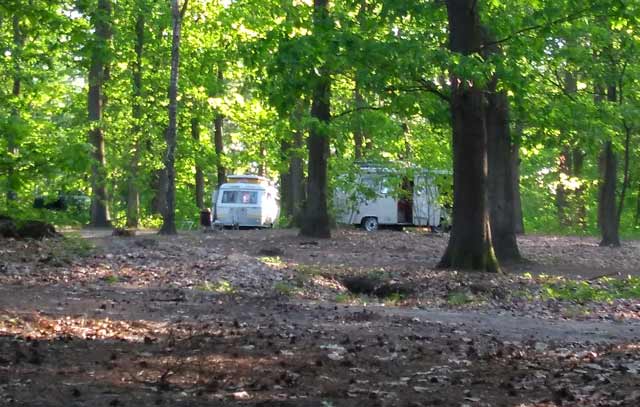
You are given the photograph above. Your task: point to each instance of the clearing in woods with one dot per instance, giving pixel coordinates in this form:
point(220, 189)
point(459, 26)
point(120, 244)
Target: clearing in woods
point(267, 318)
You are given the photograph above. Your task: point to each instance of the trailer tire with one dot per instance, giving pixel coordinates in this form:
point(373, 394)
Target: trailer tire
point(370, 224)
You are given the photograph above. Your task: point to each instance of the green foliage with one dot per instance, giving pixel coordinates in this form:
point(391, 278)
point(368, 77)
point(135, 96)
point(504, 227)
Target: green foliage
point(220, 287)
point(604, 289)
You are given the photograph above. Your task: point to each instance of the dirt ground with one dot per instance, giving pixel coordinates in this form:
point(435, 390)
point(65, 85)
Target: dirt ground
point(266, 318)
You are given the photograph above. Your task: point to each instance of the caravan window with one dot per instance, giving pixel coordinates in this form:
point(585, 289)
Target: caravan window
point(241, 197)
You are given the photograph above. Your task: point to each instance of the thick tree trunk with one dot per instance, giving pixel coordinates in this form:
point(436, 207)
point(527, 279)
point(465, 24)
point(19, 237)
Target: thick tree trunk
point(97, 75)
point(470, 245)
point(607, 214)
point(133, 194)
point(195, 134)
point(515, 174)
point(315, 222)
point(500, 177)
point(168, 218)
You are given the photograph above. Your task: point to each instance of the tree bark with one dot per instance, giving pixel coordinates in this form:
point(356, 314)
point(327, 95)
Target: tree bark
point(296, 166)
point(500, 177)
point(97, 75)
point(607, 214)
point(315, 222)
point(470, 245)
point(133, 194)
point(168, 218)
point(218, 142)
point(358, 132)
point(195, 134)
point(515, 173)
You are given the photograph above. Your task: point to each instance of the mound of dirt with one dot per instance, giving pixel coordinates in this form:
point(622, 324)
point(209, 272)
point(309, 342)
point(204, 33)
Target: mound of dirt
point(29, 229)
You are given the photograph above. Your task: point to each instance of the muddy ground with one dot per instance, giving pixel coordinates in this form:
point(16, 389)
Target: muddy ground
point(265, 318)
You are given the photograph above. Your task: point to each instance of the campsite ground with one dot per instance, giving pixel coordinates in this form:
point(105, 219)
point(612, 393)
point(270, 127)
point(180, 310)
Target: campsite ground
point(267, 318)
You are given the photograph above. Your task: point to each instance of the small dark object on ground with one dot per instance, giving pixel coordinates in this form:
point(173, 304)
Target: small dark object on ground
point(271, 251)
point(35, 229)
point(122, 232)
point(8, 227)
point(374, 285)
point(28, 229)
point(146, 243)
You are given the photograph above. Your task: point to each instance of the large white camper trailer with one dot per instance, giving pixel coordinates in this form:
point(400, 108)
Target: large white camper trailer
point(246, 201)
point(386, 196)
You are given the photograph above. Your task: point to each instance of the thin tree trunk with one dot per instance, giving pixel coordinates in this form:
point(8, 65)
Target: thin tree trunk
point(625, 179)
point(262, 165)
point(296, 166)
point(195, 134)
point(12, 137)
point(358, 131)
point(470, 245)
point(515, 173)
point(577, 165)
point(637, 217)
point(286, 206)
point(500, 178)
point(133, 194)
point(168, 219)
point(218, 142)
point(316, 214)
point(564, 170)
point(97, 75)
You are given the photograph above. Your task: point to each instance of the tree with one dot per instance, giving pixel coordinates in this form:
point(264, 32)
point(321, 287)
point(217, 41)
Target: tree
point(315, 222)
point(133, 193)
point(168, 217)
point(470, 245)
point(98, 74)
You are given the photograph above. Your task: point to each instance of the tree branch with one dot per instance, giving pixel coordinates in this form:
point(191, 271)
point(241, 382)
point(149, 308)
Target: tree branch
point(565, 19)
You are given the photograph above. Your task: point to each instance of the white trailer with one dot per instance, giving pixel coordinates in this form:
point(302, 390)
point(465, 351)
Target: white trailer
point(384, 196)
point(246, 201)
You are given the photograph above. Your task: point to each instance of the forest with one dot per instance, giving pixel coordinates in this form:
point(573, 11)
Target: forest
point(121, 119)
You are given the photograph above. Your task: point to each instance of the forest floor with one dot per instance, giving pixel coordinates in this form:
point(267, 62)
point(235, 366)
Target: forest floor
point(267, 318)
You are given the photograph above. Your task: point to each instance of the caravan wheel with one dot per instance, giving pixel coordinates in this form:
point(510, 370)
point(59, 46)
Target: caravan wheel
point(370, 224)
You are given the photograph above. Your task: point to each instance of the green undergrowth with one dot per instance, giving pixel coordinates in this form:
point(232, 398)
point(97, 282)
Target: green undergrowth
point(602, 290)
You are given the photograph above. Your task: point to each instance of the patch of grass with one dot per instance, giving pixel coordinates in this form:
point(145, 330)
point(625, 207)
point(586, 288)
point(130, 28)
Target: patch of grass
point(602, 290)
point(285, 288)
point(77, 245)
point(271, 260)
point(394, 299)
point(457, 298)
point(343, 298)
point(220, 287)
point(111, 279)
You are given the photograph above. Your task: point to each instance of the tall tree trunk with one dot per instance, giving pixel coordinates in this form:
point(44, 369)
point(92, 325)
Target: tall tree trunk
point(358, 131)
point(315, 222)
point(625, 173)
point(12, 136)
point(607, 208)
point(262, 165)
point(500, 178)
point(97, 74)
point(168, 218)
point(296, 166)
point(218, 142)
point(133, 194)
point(515, 173)
point(607, 215)
point(286, 206)
point(564, 170)
point(470, 245)
point(195, 134)
point(580, 209)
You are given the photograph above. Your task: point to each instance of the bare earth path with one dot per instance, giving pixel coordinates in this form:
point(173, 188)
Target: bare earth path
point(252, 318)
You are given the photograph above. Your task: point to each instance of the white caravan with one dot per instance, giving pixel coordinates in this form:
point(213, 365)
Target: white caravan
point(384, 196)
point(246, 201)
